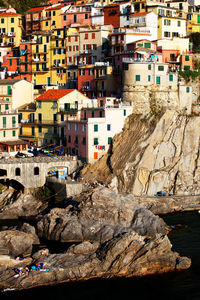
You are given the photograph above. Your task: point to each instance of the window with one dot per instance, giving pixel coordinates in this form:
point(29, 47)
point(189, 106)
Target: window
point(4, 134)
point(125, 66)
point(92, 113)
point(147, 45)
point(109, 140)
point(96, 142)
point(149, 77)
point(10, 62)
point(167, 34)
point(167, 22)
point(69, 138)
point(108, 127)
point(93, 35)
point(76, 127)
point(137, 77)
point(2, 21)
point(86, 16)
point(12, 20)
point(32, 130)
point(160, 68)
point(39, 104)
point(124, 112)
point(86, 36)
point(54, 23)
point(13, 133)
point(187, 89)
point(178, 23)
point(17, 172)
point(13, 122)
point(84, 140)
point(170, 77)
point(83, 128)
point(95, 155)
point(54, 104)
point(157, 79)
point(40, 129)
point(149, 67)
point(187, 58)
point(75, 18)
point(36, 171)
point(4, 122)
point(186, 67)
point(54, 13)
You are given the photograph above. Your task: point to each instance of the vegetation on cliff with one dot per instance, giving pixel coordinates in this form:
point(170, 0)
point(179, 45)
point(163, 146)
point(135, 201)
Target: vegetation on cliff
point(21, 5)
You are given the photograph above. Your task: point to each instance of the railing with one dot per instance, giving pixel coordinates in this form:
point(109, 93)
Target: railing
point(9, 112)
point(137, 60)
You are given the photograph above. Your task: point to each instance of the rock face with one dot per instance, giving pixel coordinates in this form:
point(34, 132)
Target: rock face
point(115, 235)
point(100, 217)
point(15, 242)
point(25, 206)
point(150, 155)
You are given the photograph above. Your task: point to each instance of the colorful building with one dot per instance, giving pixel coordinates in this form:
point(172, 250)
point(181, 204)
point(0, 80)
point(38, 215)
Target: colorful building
point(90, 135)
point(170, 27)
point(97, 80)
point(10, 29)
point(11, 90)
point(117, 14)
point(193, 22)
point(52, 109)
point(145, 21)
point(9, 140)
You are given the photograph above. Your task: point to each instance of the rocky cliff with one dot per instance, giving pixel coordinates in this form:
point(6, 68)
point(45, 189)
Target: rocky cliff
point(153, 154)
point(114, 235)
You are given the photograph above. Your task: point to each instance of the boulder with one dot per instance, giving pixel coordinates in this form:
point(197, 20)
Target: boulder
point(100, 217)
point(25, 206)
point(15, 242)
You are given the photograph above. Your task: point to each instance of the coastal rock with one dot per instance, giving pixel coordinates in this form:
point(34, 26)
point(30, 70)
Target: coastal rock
point(100, 217)
point(25, 206)
point(16, 242)
point(128, 254)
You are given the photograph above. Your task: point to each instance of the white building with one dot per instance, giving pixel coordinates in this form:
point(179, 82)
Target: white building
point(90, 136)
point(145, 21)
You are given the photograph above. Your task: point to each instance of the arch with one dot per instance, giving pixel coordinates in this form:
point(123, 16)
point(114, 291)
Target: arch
point(17, 172)
point(3, 172)
point(36, 171)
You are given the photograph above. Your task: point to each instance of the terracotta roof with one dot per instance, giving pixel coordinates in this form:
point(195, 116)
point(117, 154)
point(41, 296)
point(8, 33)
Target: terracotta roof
point(141, 14)
point(9, 14)
point(55, 94)
point(38, 8)
point(27, 107)
point(15, 142)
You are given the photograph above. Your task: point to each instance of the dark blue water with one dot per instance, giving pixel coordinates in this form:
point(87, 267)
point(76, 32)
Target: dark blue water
point(175, 285)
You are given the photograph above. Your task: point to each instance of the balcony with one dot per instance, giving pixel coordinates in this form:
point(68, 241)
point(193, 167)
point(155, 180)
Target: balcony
point(9, 112)
point(38, 61)
point(41, 70)
point(69, 110)
point(85, 52)
point(58, 66)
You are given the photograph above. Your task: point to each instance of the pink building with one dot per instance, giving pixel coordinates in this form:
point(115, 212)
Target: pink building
point(77, 15)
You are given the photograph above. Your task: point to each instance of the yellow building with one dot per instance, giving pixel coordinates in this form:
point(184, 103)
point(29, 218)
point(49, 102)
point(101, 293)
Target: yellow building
point(52, 109)
point(48, 58)
point(53, 18)
point(170, 27)
point(27, 130)
point(10, 29)
point(193, 23)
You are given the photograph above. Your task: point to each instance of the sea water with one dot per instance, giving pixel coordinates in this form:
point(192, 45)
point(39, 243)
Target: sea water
point(174, 285)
